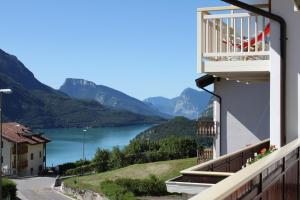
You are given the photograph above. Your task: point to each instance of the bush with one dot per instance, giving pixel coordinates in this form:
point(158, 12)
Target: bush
point(151, 186)
point(81, 169)
point(116, 192)
point(8, 189)
point(63, 168)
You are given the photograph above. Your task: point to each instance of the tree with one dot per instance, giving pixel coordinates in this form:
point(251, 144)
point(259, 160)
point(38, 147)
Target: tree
point(101, 160)
point(116, 158)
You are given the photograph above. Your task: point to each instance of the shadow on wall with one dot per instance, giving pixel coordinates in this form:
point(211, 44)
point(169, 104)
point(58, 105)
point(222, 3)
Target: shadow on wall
point(245, 113)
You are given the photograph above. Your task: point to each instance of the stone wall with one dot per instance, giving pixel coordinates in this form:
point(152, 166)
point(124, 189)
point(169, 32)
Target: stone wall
point(81, 194)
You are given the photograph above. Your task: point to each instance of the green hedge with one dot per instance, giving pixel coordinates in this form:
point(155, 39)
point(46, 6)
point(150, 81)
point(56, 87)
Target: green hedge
point(82, 169)
point(124, 188)
point(116, 192)
point(8, 189)
point(151, 186)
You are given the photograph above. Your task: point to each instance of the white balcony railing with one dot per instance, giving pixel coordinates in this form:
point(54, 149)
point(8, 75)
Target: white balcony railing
point(229, 34)
point(207, 127)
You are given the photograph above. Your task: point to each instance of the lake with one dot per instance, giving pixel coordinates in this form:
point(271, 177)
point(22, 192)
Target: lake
point(67, 143)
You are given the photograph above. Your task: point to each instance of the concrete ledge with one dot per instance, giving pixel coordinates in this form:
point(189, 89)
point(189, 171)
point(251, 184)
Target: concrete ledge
point(186, 188)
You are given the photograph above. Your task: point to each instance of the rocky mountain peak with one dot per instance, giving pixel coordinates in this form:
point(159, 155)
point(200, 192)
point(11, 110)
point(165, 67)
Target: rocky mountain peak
point(79, 82)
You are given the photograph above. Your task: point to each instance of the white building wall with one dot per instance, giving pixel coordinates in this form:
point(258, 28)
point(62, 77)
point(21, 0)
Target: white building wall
point(245, 114)
point(37, 160)
point(286, 10)
point(275, 92)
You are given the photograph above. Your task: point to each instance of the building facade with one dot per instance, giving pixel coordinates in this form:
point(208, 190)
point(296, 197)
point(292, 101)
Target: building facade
point(23, 152)
point(251, 55)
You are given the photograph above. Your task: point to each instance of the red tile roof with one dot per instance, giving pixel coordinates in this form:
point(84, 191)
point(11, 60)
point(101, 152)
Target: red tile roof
point(18, 133)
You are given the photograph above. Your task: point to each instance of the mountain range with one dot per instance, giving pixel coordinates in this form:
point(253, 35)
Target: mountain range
point(83, 89)
point(37, 105)
point(190, 103)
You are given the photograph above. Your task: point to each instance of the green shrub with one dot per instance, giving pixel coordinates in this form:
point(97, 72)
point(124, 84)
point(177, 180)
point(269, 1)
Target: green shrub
point(150, 186)
point(81, 169)
point(116, 192)
point(8, 189)
point(63, 168)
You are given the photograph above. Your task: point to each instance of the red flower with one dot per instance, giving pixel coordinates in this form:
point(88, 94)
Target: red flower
point(263, 151)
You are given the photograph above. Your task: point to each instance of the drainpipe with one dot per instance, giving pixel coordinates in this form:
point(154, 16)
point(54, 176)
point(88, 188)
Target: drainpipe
point(220, 101)
point(283, 38)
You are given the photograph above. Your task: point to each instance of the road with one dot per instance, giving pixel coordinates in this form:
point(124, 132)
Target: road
point(37, 188)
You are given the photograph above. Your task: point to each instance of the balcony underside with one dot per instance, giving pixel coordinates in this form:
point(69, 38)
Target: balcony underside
point(239, 70)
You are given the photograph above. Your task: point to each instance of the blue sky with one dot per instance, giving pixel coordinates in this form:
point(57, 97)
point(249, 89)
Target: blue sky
point(141, 47)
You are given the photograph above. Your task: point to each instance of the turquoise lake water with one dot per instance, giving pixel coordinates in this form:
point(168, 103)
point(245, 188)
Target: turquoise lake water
point(66, 144)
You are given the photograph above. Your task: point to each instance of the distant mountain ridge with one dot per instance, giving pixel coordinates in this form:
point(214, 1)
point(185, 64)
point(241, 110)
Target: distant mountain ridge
point(37, 105)
point(83, 89)
point(190, 103)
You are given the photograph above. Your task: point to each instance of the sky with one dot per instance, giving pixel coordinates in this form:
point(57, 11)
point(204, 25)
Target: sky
point(143, 48)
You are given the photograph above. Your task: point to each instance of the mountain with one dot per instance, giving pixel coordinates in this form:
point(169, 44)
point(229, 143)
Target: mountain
point(178, 126)
point(191, 103)
point(83, 89)
point(37, 105)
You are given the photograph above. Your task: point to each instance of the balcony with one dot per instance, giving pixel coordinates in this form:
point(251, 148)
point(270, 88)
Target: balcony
point(203, 176)
point(22, 164)
point(22, 149)
point(204, 155)
point(207, 127)
point(233, 43)
point(273, 177)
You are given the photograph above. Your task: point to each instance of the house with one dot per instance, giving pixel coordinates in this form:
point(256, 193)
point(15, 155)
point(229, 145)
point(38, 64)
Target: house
point(23, 152)
point(250, 52)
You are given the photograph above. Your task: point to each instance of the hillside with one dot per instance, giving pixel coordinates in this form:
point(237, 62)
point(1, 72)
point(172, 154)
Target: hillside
point(179, 126)
point(165, 170)
point(37, 105)
point(83, 89)
point(190, 103)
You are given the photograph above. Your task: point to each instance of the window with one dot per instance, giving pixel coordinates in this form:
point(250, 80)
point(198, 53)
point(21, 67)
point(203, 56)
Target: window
point(40, 154)
point(1, 144)
point(1, 159)
point(31, 156)
point(31, 171)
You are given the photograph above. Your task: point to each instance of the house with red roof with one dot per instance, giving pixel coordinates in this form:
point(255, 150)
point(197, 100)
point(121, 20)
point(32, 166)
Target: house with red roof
point(23, 152)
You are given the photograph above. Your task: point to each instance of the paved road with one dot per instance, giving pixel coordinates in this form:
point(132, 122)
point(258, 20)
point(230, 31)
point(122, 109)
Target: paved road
point(37, 188)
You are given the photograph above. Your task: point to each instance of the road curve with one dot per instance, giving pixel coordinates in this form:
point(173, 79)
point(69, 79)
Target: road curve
point(37, 188)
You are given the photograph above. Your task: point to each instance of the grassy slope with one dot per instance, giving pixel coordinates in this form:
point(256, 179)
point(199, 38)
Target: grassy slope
point(164, 170)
